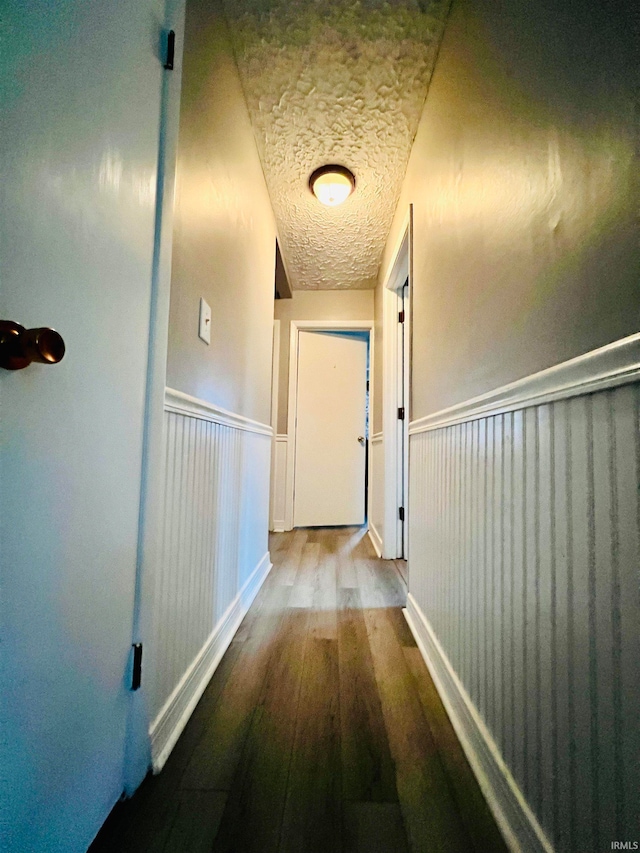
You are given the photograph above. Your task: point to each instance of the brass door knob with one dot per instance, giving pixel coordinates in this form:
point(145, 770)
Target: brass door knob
point(361, 439)
point(19, 347)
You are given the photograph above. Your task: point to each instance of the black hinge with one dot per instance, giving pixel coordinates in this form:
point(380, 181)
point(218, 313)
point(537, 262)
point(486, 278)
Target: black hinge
point(401, 413)
point(401, 513)
point(367, 384)
point(136, 674)
point(171, 49)
point(401, 317)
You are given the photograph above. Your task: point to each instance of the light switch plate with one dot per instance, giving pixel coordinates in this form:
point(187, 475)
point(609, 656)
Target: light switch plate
point(205, 322)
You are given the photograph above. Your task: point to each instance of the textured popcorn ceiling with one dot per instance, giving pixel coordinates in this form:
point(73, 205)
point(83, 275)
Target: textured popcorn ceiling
point(335, 82)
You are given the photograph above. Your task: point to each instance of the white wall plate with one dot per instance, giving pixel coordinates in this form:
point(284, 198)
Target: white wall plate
point(204, 331)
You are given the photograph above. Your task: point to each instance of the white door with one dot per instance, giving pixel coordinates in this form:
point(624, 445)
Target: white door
point(81, 112)
point(330, 453)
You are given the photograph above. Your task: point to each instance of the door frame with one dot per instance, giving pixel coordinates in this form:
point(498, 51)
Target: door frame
point(296, 327)
point(275, 385)
point(138, 739)
point(395, 431)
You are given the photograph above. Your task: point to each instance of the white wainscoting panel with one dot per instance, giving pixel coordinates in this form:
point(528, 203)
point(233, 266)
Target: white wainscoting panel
point(376, 493)
point(279, 484)
point(214, 552)
point(524, 537)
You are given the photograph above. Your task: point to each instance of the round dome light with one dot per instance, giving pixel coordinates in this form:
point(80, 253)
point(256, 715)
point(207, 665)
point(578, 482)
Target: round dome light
point(332, 185)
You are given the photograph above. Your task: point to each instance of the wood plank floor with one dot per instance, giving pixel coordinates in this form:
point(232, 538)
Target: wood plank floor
point(320, 732)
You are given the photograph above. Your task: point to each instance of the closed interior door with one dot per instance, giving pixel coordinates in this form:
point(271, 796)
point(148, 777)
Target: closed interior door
point(79, 148)
point(330, 458)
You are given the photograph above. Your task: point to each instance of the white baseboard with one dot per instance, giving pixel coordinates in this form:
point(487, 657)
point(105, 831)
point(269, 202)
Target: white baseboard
point(170, 722)
point(522, 832)
point(376, 541)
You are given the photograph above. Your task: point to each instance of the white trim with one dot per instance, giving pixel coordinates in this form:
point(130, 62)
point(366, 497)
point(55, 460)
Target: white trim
point(193, 407)
point(321, 326)
point(331, 325)
point(291, 424)
point(275, 381)
point(519, 826)
point(275, 375)
point(174, 715)
point(616, 364)
point(136, 761)
point(399, 267)
point(376, 539)
point(375, 488)
point(278, 486)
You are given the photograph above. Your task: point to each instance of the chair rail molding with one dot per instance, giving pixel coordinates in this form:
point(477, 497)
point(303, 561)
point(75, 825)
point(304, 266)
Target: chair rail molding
point(610, 366)
point(193, 407)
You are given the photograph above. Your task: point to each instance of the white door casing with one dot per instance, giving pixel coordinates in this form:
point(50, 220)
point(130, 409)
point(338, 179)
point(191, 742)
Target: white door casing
point(396, 392)
point(327, 416)
point(275, 379)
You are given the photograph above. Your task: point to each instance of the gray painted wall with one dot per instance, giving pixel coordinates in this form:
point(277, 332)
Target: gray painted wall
point(524, 533)
point(314, 305)
point(524, 178)
point(224, 237)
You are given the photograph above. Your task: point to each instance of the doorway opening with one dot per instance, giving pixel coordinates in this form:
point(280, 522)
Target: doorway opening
point(329, 403)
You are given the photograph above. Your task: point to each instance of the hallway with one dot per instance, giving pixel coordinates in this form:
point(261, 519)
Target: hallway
point(320, 731)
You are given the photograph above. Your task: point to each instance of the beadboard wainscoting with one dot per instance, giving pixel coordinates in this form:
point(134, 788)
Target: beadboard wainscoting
point(524, 594)
point(214, 554)
point(376, 493)
point(279, 484)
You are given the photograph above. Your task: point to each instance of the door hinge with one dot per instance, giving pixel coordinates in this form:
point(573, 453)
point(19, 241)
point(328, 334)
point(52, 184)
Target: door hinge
point(136, 672)
point(401, 513)
point(367, 384)
point(171, 49)
point(401, 317)
point(401, 413)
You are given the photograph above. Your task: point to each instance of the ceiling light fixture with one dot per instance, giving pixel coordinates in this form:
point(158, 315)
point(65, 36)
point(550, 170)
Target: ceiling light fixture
point(332, 185)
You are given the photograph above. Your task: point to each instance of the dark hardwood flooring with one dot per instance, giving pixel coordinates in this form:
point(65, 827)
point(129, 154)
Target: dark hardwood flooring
point(320, 732)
